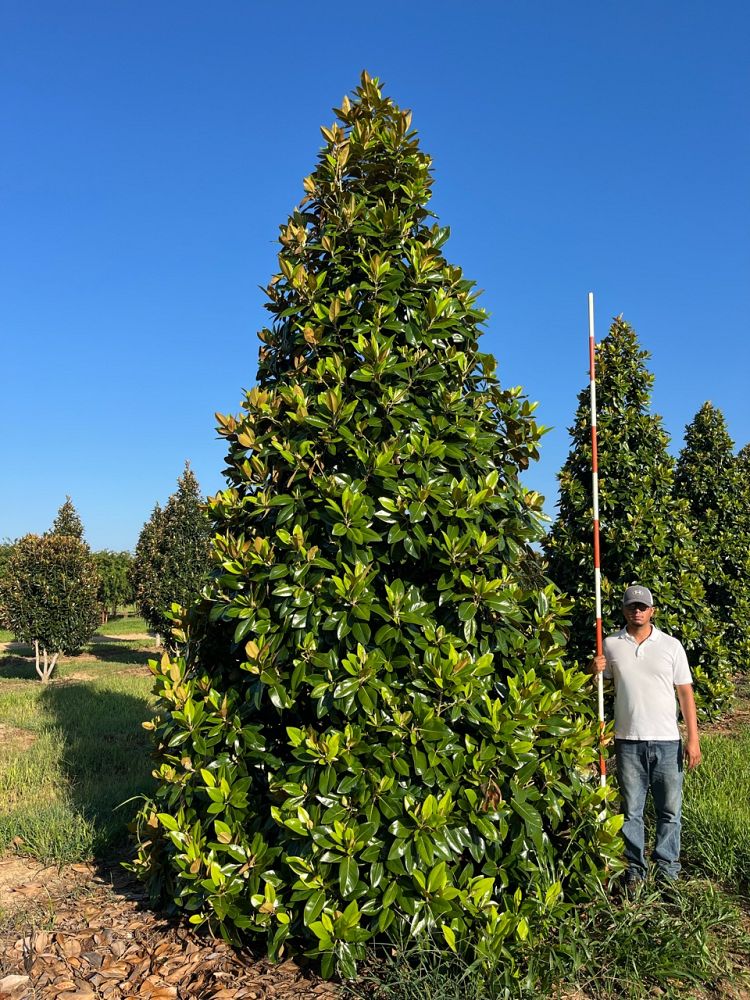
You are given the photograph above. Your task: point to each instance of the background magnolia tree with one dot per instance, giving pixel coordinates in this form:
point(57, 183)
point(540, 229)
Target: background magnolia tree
point(115, 588)
point(172, 555)
point(6, 548)
point(48, 593)
point(709, 478)
point(646, 532)
point(67, 522)
point(371, 728)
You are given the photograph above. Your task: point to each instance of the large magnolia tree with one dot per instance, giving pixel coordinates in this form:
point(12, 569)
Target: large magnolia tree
point(646, 532)
point(709, 478)
point(372, 728)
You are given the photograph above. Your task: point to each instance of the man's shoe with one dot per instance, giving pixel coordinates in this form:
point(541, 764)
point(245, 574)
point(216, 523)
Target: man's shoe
point(633, 886)
point(668, 887)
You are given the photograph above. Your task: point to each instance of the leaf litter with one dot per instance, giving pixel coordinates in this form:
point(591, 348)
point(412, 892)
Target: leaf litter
point(77, 933)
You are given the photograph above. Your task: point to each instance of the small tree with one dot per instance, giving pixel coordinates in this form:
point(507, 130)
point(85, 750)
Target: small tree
point(114, 575)
point(646, 533)
point(172, 555)
point(67, 521)
point(372, 729)
point(49, 596)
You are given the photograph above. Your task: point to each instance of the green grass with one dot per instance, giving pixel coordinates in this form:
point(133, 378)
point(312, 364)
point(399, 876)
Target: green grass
point(5, 635)
point(677, 948)
point(72, 751)
point(123, 625)
point(716, 815)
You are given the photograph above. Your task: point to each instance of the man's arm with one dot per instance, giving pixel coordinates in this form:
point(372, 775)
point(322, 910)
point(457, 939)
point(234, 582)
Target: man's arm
point(687, 707)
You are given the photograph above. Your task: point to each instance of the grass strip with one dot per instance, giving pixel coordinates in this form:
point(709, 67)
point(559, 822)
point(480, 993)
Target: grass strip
point(73, 751)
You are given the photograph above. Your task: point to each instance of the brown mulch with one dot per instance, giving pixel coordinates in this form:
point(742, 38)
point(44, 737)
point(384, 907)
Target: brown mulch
point(77, 935)
point(738, 719)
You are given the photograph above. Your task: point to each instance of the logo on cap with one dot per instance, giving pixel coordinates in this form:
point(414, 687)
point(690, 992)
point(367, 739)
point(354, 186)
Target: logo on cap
point(638, 595)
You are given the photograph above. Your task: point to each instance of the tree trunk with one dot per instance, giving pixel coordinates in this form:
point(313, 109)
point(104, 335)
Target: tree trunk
point(48, 665)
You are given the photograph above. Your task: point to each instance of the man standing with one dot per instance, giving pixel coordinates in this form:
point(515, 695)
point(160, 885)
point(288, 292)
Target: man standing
point(647, 666)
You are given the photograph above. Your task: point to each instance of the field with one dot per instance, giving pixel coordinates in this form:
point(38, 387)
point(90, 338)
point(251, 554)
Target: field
point(73, 924)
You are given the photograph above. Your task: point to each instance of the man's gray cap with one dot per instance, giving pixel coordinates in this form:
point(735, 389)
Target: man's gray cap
point(638, 595)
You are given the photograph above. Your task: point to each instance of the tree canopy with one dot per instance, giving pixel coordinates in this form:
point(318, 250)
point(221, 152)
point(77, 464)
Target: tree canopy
point(67, 521)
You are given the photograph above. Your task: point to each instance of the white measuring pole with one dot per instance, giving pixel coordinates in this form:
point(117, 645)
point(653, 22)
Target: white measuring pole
point(597, 563)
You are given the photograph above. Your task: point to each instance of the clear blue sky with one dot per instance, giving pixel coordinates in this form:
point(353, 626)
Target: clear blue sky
point(150, 151)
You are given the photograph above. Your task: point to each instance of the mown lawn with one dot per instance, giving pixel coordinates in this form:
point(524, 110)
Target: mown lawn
point(124, 625)
point(73, 751)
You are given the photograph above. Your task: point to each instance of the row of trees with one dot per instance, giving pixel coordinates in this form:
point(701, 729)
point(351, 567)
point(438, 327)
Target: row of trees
point(681, 528)
point(54, 591)
point(113, 569)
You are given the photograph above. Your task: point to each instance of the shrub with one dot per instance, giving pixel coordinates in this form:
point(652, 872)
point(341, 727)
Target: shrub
point(370, 729)
point(646, 532)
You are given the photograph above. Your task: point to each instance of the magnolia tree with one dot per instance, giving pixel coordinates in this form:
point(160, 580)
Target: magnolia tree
point(172, 555)
point(709, 478)
point(743, 473)
point(6, 548)
point(67, 522)
point(371, 728)
point(143, 572)
point(115, 588)
point(646, 532)
point(48, 594)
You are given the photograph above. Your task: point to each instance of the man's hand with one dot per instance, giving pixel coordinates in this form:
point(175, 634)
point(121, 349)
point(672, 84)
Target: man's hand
point(597, 665)
point(693, 755)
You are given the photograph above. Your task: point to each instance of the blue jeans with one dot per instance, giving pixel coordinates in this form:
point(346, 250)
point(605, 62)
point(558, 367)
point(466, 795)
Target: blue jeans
point(656, 765)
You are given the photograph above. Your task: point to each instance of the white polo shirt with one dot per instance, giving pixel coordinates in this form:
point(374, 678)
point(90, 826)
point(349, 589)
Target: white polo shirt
point(645, 676)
